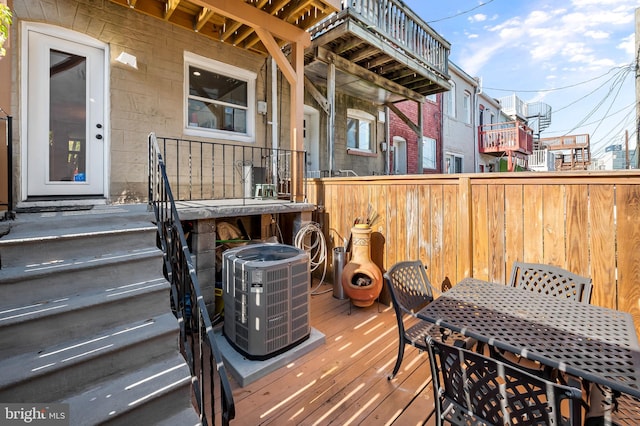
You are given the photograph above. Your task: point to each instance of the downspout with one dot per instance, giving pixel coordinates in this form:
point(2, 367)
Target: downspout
point(442, 159)
point(420, 147)
point(387, 136)
point(331, 97)
point(274, 120)
point(476, 113)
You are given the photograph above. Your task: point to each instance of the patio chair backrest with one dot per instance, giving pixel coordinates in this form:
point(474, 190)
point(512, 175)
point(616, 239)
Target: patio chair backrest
point(552, 280)
point(470, 388)
point(409, 286)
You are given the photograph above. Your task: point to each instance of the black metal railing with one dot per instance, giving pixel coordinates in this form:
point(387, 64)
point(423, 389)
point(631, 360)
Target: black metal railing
point(9, 213)
point(196, 330)
point(204, 170)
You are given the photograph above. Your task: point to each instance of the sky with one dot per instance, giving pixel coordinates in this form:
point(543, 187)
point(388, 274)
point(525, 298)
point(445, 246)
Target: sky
point(575, 55)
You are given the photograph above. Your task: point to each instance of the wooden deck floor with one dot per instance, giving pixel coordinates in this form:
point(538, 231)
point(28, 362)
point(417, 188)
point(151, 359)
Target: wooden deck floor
point(343, 382)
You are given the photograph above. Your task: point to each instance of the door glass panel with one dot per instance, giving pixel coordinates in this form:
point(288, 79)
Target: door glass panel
point(67, 118)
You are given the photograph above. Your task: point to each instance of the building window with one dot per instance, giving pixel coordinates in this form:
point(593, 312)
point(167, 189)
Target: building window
point(360, 130)
point(432, 98)
point(428, 153)
point(220, 99)
point(466, 107)
point(451, 100)
point(453, 163)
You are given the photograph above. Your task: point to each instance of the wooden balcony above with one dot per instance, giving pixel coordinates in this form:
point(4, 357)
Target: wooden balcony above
point(565, 142)
point(509, 137)
point(382, 51)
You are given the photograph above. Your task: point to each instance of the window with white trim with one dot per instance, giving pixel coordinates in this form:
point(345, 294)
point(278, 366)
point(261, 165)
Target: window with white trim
point(466, 107)
point(428, 153)
point(360, 130)
point(432, 98)
point(220, 99)
point(453, 163)
point(451, 100)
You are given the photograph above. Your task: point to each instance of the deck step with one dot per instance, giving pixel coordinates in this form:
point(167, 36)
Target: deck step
point(55, 249)
point(48, 322)
point(157, 392)
point(29, 284)
point(56, 372)
point(85, 318)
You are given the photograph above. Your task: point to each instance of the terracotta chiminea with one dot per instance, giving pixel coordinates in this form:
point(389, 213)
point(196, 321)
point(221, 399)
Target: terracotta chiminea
point(361, 278)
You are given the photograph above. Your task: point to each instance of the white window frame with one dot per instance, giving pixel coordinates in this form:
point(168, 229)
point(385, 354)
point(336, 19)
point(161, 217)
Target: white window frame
point(432, 98)
point(362, 117)
point(429, 153)
point(450, 162)
point(451, 100)
point(466, 107)
point(191, 59)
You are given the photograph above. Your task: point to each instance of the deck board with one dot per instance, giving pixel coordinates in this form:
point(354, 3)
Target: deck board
point(344, 381)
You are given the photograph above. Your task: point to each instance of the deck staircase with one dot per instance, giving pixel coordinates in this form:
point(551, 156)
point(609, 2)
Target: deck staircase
point(85, 318)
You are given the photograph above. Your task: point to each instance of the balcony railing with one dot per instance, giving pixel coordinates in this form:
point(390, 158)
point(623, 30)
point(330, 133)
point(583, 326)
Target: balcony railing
point(541, 160)
point(566, 142)
point(398, 26)
point(513, 136)
point(202, 170)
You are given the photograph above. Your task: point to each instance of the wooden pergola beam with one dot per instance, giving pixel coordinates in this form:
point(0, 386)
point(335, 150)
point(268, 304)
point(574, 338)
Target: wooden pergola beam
point(255, 18)
point(202, 18)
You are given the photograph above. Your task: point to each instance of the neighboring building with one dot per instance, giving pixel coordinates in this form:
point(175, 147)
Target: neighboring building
point(616, 158)
point(488, 113)
point(460, 152)
point(354, 73)
point(406, 151)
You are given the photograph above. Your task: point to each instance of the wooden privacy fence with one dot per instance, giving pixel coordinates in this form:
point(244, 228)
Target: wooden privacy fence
point(479, 224)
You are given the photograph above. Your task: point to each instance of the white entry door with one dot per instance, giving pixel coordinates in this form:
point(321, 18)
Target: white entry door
point(65, 116)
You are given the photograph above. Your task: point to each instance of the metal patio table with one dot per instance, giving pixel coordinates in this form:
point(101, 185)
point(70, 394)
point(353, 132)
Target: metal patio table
point(597, 344)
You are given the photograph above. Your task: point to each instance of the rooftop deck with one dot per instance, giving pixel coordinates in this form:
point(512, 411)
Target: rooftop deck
point(344, 381)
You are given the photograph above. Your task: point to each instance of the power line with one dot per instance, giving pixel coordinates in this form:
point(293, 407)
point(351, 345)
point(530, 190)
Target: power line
point(615, 76)
point(460, 13)
point(619, 80)
point(623, 109)
point(622, 67)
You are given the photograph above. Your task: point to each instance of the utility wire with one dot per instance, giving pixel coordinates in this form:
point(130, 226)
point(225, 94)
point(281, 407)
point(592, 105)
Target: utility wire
point(615, 76)
point(460, 13)
point(619, 80)
point(624, 109)
point(632, 65)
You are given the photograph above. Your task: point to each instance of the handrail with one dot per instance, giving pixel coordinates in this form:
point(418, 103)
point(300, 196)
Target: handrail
point(196, 329)
point(9, 214)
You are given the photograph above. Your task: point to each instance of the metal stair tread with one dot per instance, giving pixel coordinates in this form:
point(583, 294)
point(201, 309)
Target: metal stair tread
point(24, 366)
point(118, 395)
point(11, 315)
point(19, 273)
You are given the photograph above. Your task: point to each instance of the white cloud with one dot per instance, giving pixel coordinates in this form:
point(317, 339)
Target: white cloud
point(472, 36)
point(597, 34)
point(478, 17)
point(628, 45)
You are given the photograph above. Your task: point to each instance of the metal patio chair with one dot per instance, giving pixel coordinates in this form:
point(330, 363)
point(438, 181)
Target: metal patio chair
point(470, 388)
point(411, 291)
point(552, 280)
